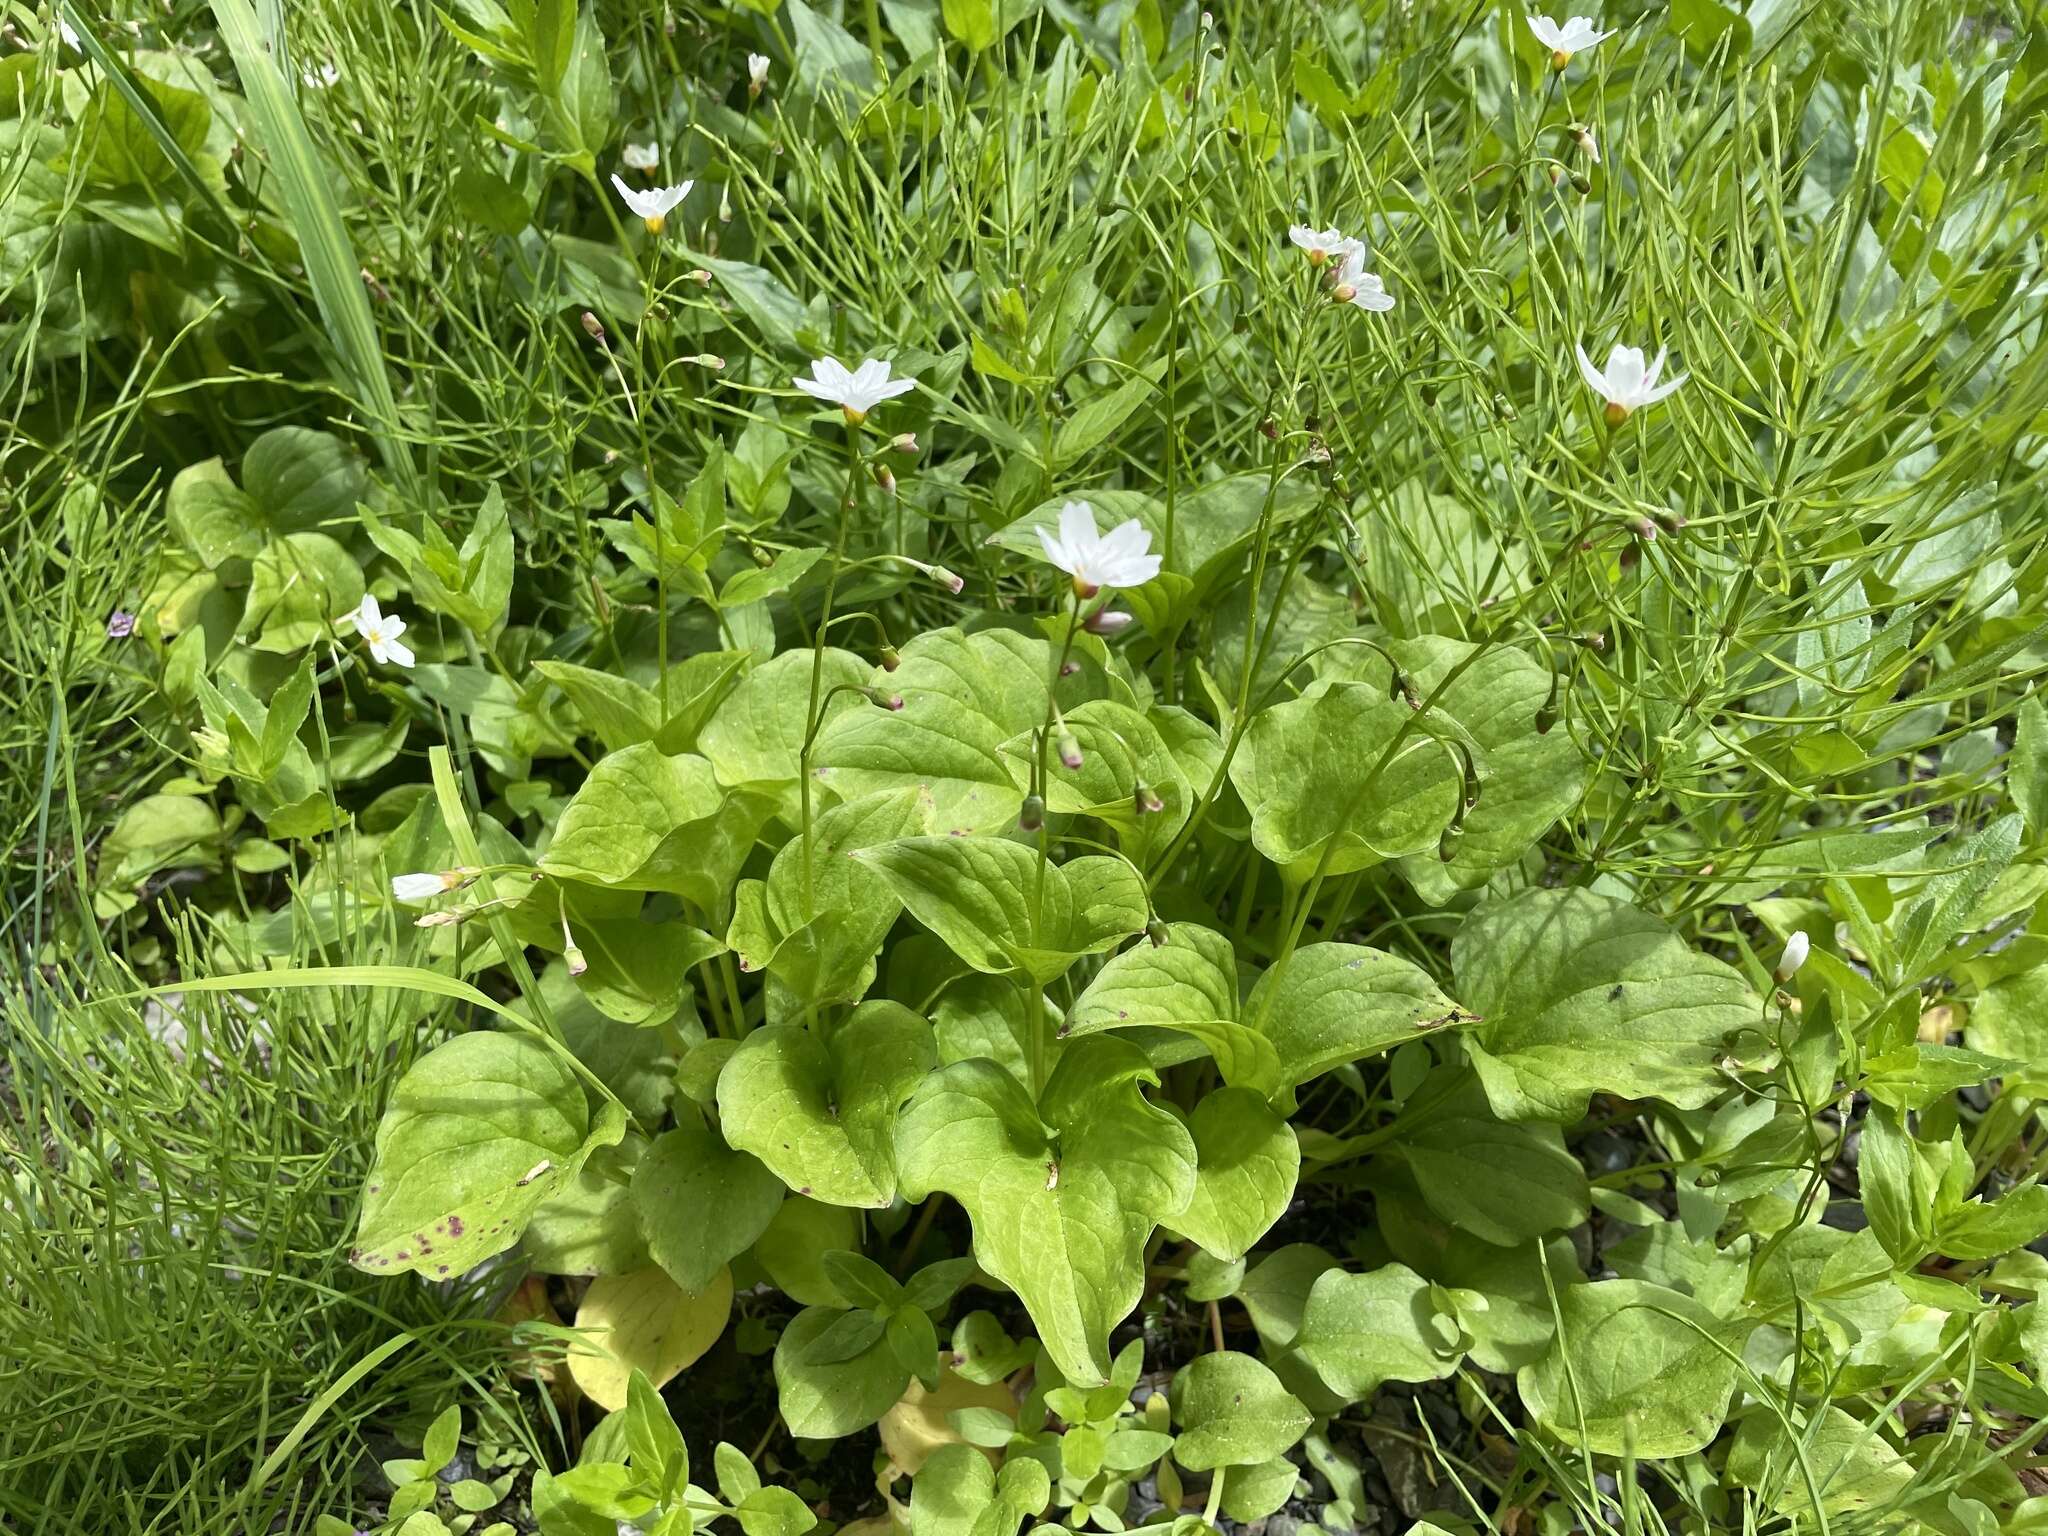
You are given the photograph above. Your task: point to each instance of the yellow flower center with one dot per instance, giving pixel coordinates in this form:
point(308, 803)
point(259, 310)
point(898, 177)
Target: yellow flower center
point(853, 418)
point(656, 223)
point(1559, 58)
point(1616, 413)
point(1317, 257)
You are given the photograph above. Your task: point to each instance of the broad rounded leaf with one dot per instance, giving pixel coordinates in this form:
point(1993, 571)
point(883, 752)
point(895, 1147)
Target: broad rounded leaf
point(478, 1133)
point(822, 1400)
point(701, 1203)
point(1233, 1412)
point(1333, 1003)
point(1349, 772)
point(1247, 1161)
point(1000, 910)
point(1651, 1371)
point(821, 1112)
point(643, 1322)
point(1358, 1331)
point(1582, 993)
point(1062, 1195)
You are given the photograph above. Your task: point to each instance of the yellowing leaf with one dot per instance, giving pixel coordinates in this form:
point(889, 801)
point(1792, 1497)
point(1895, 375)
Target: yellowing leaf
point(643, 1321)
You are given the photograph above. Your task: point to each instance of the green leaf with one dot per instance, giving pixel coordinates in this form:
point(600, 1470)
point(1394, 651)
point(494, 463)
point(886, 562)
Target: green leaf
point(958, 1493)
point(1091, 424)
point(1343, 779)
point(579, 107)
point(821, 1112)
point(972, 23)
point(1851, 1463)
point(1527, 778)
point(1358, 1331)
point(1333, 1003)
point(1062, 1195)
point(1246, 1162)
point(478, 1133)
point(792, 1250)
point(1233, 1412)
point(1503, 1183)
point(965, 697)
point(1642, 1368)
point(757, 582)
point(2026, 764)
point(653, 1442)
point(819, 936)
point(774, 1512)
point(1000, 909)
point(306, 184)
point(1942, 912)
point(646, 821)
point(1189, 985)
point(701, 1203)
point(297, 586)
point(589, 1227)
point(756, 736)
point(1582, 993)
point(824, 1399)
point(616, 710)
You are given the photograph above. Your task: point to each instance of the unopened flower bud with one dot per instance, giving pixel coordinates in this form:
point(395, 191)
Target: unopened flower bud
point(947, 579)
point(1156, 932)
point(885, 480)
point(1672, 522)
point(1108, 621)
point(1581, 183)
point(577, 964)
point(1447, 845)
point(699, 276)
point(891, 658)
point(1546, 717)
point(1645, 530)
point(1146, 799)
point(1270, 430)
point(592, 326)
point(1032, 816)
point(709, 360)
point(1069, 750)
point(885, 700)
point(1796, 950)
point(439, 919)
point(905, 443)
point(1593, 640)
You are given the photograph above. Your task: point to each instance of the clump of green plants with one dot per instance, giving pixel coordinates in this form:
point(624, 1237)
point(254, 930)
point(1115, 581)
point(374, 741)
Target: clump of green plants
point(1140, 770)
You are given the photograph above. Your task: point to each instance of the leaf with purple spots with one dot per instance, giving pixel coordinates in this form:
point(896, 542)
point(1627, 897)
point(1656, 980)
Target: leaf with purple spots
point(477, 1134)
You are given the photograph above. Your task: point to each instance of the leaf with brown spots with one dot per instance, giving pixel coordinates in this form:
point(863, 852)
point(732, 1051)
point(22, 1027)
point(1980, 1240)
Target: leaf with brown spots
point(477, 1134)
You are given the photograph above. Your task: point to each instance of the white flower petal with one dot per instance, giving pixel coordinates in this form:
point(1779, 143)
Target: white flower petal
point(1595, 379)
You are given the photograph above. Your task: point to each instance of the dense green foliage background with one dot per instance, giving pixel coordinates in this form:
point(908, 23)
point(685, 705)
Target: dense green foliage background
point(1319, 1044)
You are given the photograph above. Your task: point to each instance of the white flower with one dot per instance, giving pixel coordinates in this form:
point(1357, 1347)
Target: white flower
point(381, 630)
point(640, 157)
point(855, 392)
point(757, 73)
point(1796, 950)
point(321, 78)
point(1625, 384)
point(1321, 244)
point(656, 203)
point(422, 887)
point(70, 35)
point(1577, 35)
point(1119, 558)
point(1588, 145)
point(1357, 286)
